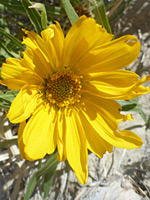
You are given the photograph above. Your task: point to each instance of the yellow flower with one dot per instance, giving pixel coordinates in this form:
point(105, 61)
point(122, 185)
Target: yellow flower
point(68, 87)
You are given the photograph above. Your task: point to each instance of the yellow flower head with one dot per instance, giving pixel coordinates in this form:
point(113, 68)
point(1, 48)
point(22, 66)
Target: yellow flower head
point(68, 87)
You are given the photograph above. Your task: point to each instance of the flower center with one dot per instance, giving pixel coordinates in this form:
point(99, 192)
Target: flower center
point(63, 88)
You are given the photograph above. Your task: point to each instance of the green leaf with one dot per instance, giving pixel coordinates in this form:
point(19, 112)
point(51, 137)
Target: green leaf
point(13, 39)
point(6, 50)
point(2, 59)
point(8, 95)
point(72, 15)
point(119, 10)
point(13, 6)
point(101, 17)
point(132, 101)
point(0, 73)
point(48, 179)
point(133, 105)
point(41, 7)
point(44, 20)
point(6, 98)
point(111, 4)
point(33, 15)
point(55, 11)
point(4, 24)
point(48, 167)
point(8, 142)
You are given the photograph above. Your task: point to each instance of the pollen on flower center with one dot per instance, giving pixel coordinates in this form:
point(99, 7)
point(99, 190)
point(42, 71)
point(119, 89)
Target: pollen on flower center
point(63, 88)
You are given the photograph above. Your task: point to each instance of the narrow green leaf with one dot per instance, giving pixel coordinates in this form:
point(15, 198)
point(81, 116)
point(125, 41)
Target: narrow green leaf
point(44, 20)
point(136, 108)
point(55, 11)
point(47, 167)
point(2, 59)
point(6, 50)
point(41, 7)
point(3, 23)
point(128, 102)
point(72, 15)
point(0, 73)
point(133, 105)
point(31, 185)
point(12, 38)
point(33, 15)
point(12, 6)
point(8, 142)
point(75, 2)
point(8, 95)
point(101, 17)
point(6, 98)
point(119, 10)
point(111, 4)
point(5, 105)
point(48, 180)
point(148, 123)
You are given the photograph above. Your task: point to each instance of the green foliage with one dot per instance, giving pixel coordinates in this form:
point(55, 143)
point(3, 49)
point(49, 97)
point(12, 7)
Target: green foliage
point(6, 98)
point(33, 15)
point(13, 6)
point(72, 15)
point(133, 105)
point(101, 17)
point(8, 142)
point(54, 11)
point(119, 10)
point(13, 39)
point(46, 171)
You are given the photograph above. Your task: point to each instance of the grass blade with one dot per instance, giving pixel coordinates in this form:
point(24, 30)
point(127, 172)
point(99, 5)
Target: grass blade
point(12, 38)
point(48, 167)
point(6, 98)
point(101, 17)
point(48, 179)
point(8, 95)
point(72, 15)
point(6, 50)
point(41, 7)
point(33, 15)
point(119, 10)
point(8, 142)
point(55, 11)
point(133, 105)
point(13, 6)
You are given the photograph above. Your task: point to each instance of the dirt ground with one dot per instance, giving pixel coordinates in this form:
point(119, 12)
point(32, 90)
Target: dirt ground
point(122, 174)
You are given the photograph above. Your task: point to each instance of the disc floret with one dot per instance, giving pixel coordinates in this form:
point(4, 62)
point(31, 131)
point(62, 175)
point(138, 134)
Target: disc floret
point(63, 88)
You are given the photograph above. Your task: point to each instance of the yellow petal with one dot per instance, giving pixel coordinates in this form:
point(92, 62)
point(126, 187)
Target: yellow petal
point(54, 38)
point(20, 138)
point(107, 126)
point(76, 147)
point(109, 105)
point(120, 85)
point(113, 55)
point(47, 34)
point(23, 105)
point(15, 75)
point(61, 128)
point(39, 136)
point(37, 52)
point(95, 142)
point(83, 35)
